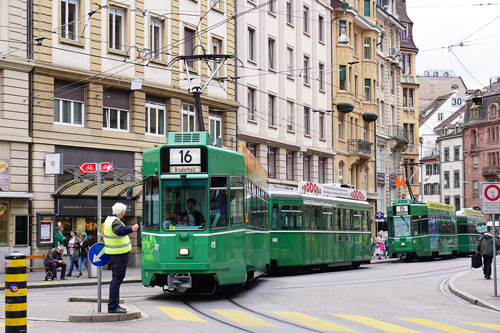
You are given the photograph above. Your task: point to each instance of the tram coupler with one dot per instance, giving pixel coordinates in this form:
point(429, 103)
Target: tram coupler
point(179, 283)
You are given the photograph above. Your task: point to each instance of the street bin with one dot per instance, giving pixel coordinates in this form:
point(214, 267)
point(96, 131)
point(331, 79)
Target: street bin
point(92, 270)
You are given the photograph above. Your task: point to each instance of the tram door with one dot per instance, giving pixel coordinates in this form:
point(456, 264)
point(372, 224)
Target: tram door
point(339, 235)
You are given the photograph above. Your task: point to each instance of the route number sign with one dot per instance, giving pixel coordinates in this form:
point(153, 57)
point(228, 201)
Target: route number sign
point(490, 198)
point(185, 160)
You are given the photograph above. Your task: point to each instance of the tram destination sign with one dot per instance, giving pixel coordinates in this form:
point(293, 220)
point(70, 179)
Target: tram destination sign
point(490, 198)
point(185, 160)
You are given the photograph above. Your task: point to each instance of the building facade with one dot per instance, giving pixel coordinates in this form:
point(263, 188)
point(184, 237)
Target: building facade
point(430, 182)
point(16, 187)
point(437, 83)
point(108, 86)
point(284, 88)
point(390, 138)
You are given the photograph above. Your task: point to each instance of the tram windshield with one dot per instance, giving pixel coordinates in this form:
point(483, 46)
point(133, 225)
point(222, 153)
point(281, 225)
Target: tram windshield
point(183, 204)
point(402, 225)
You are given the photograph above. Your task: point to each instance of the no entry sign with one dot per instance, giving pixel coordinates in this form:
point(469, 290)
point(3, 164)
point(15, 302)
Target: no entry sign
point(490, 198)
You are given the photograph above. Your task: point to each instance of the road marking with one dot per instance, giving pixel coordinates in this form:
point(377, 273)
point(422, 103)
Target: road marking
point(242, 318)
point(179, 314)
point(380, 325)
point(130, 278)
point(436, 325)
point(490, 326)
point(313, 322)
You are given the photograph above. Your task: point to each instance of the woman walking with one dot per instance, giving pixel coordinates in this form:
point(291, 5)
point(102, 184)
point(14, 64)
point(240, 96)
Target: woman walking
point(84, 253)
point(73, 250)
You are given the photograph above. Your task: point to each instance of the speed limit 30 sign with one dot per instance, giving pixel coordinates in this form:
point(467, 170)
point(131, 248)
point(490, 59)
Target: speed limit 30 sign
point(490, 198)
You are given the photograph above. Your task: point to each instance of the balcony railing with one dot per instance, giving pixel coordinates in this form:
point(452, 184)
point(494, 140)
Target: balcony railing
point(397, 133)
point(360, 148)
point(490, 171)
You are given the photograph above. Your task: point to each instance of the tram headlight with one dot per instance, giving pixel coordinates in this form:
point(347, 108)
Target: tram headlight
point(403, 244)
point(183, 252)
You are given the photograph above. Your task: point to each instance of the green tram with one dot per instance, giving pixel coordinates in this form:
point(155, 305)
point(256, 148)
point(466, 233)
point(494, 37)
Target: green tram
point(310, 228)
point(422, 229)
point(471, 223)
point(205, 216)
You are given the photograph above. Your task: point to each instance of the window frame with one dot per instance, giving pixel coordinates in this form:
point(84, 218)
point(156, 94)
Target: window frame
point(65, 26)
point(271, 151)
point(367, 47)
point(112, 29)
point(119, 111)
point(289, 12)
point(321, 73)
point(289, 62)
point(216, 119)
point(307, 121)
point(251, 52)
point(290, 116)
point(305, 19)
point(289, 164)
point(271, 109)
point(158, 107)
point(321, 125)
point(189, 113)
point(252, 103)
point(72, 123)
point(156, 55)
point(306, 70)
point(321, 29)
point(271, 52)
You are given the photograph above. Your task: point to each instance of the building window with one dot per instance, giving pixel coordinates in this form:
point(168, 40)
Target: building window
point(289, 165)
point(271, 100)
point(115, 119)
point(367, 11)
point(342, 77)
point(4, 223)
point(341, 173)
point(215, 127)
point(405, 97)
point(393, 82)
point(70, 19)
point(270, 54)
point(155, 37)
point(355, 86)
point(457, 202)
point(271, 162)
point(251, 104)
point(341, 127)
point(365, 178)
point(321, 125)
point(404, 32)
point(306, 70)
point(321, 28)
point(187, 117)
point(289, 62)
point(457, 153)
point(475, 187)
point(456, 179)
point(440, 116)
point(189, 42)
point(368, 50)
point(368, 90)
point(475, 161)
point(216, 4)
point(411, 135)
point(447, 154)
point(436, 169)
point(289, 12)
point(307, 120)
point(289, 116)
point(216, 49)
point(272, 9)
point(251, 44)
point(306, 20)
point(252, 147)
point(155, 119)
point(321, 170)
point(306, 167)
point(446, 179)
point(116, 29)
point(68, 112)
point(447, 199)
point(428, 169)
point(410, 98)
point(321, 73)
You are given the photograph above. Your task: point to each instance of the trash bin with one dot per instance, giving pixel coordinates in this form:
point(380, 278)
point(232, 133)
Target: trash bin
point(92, 271)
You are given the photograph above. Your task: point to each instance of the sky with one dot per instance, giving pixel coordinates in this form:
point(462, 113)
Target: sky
point(438, 24)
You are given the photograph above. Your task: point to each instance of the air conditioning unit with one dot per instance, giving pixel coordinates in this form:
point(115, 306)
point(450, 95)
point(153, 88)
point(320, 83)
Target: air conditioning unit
point(393, 52)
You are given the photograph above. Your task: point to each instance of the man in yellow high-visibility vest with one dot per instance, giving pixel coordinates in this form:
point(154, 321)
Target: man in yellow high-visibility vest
point(117, 245)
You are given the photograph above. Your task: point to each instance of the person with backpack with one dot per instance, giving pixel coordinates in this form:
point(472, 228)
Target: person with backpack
point(485, 247)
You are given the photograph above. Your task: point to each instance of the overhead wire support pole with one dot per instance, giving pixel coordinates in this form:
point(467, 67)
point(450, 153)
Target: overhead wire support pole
point(197, 90)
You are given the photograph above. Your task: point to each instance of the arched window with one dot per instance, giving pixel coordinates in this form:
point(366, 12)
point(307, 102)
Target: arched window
point(493, 109)
point(473, 138)
point(341, 172)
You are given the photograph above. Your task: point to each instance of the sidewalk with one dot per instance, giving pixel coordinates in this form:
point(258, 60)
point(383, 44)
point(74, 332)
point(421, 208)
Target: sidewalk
point(475, 289)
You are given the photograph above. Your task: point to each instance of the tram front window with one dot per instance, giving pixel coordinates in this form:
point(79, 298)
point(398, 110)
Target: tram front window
point(402, 225)
point(184, 204)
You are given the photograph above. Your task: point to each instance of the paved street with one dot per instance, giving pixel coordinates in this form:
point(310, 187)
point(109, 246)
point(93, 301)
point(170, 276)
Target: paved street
point(391, 297)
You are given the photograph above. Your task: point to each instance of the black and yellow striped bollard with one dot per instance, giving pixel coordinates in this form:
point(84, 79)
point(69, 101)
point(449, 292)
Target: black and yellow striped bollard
point(15, 293)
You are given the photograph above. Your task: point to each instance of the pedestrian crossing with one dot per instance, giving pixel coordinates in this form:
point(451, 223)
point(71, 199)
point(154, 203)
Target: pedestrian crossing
point(331, 322)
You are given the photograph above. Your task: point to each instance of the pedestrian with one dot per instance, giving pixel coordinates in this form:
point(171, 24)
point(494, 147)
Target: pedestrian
point(386, 244)
point(59, 238)
point(54, 260)
point(84, 253)
point(485, 247)
point(74, 251)
point(117, 245)
point(379, 245)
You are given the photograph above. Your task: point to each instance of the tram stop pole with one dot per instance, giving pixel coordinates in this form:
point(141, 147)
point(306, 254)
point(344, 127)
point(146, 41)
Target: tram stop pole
point(15, 293)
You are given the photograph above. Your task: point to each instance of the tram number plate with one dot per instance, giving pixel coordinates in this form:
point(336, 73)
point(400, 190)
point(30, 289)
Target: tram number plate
point(402, 210)
point(185, 156)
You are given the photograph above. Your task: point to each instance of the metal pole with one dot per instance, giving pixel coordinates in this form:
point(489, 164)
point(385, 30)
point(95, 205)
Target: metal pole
point(197, 105)
point(99, 269)
point(495, 256)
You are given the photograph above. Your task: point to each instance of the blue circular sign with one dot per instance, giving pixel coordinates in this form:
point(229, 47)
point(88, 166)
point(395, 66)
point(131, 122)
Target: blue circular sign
point(13, 288)
point(97, 257)
point(379, 215)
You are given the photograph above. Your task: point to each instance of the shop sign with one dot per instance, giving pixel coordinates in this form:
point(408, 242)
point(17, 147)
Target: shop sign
point(4, 175)
point(87, 207)
point(380, 178)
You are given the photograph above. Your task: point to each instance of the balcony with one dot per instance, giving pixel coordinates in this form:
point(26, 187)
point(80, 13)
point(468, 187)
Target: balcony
point(491, 171)
point(397, 133)
point(360, 148)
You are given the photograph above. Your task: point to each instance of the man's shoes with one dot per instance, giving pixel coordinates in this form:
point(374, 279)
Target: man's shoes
point(117, 310)
point(79, 274)
point(487, 277)
point(68, 275)
point(63, 278)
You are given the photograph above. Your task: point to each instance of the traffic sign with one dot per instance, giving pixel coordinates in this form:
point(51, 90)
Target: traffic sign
point(490, 198)
point(379, 215)
point(88, 167)
point(106, 166)
point(97, 256)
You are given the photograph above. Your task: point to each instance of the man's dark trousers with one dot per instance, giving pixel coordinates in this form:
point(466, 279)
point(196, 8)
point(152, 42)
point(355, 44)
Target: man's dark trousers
point(487, 265)
point(119, 264)
point(53, 265)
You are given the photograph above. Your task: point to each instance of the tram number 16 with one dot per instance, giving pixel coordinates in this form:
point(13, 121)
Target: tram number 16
point(186, 158)
point(183, 156)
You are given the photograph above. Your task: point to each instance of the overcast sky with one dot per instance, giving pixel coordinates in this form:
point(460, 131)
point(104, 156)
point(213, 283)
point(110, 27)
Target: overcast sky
point(441, 23)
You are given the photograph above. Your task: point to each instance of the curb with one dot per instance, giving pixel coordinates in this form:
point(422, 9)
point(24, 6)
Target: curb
point(38, 285)
point(103, 317)
point(381, 261)
point(468, 297)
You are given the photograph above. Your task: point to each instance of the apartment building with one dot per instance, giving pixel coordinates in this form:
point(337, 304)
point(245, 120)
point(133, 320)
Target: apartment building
point(107, 86)
point(390, 138)
point(284, 88)
point(436, 82)
point(16, 190)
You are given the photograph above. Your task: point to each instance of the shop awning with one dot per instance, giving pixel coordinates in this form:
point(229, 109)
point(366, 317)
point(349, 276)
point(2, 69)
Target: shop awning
point(87, 188)
point(16, 195)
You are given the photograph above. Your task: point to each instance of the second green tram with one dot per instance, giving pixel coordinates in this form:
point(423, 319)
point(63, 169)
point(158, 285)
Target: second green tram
point(313, 230)
point(471, 223)
point(422, 229)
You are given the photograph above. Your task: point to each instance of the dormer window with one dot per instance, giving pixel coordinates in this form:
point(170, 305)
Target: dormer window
point(474, 113)
point(493, 109)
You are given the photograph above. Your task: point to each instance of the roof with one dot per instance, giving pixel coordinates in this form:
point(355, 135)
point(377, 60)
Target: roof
point(434, 106)
point(447, 122)
point(488, 99)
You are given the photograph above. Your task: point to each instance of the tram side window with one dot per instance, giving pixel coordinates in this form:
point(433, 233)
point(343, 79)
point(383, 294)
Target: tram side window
point(462, 227)
point(274, 217)
point(147, 203)
point(152, 204)
point(237, 201)
point(415, 225)
point(339, 218)
point(317, 218)
point(291, 217)
point(218, 202)
point(356, 219)
point(424, 225)
point(348, 219)
point(307, 218)
point(327, 219)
